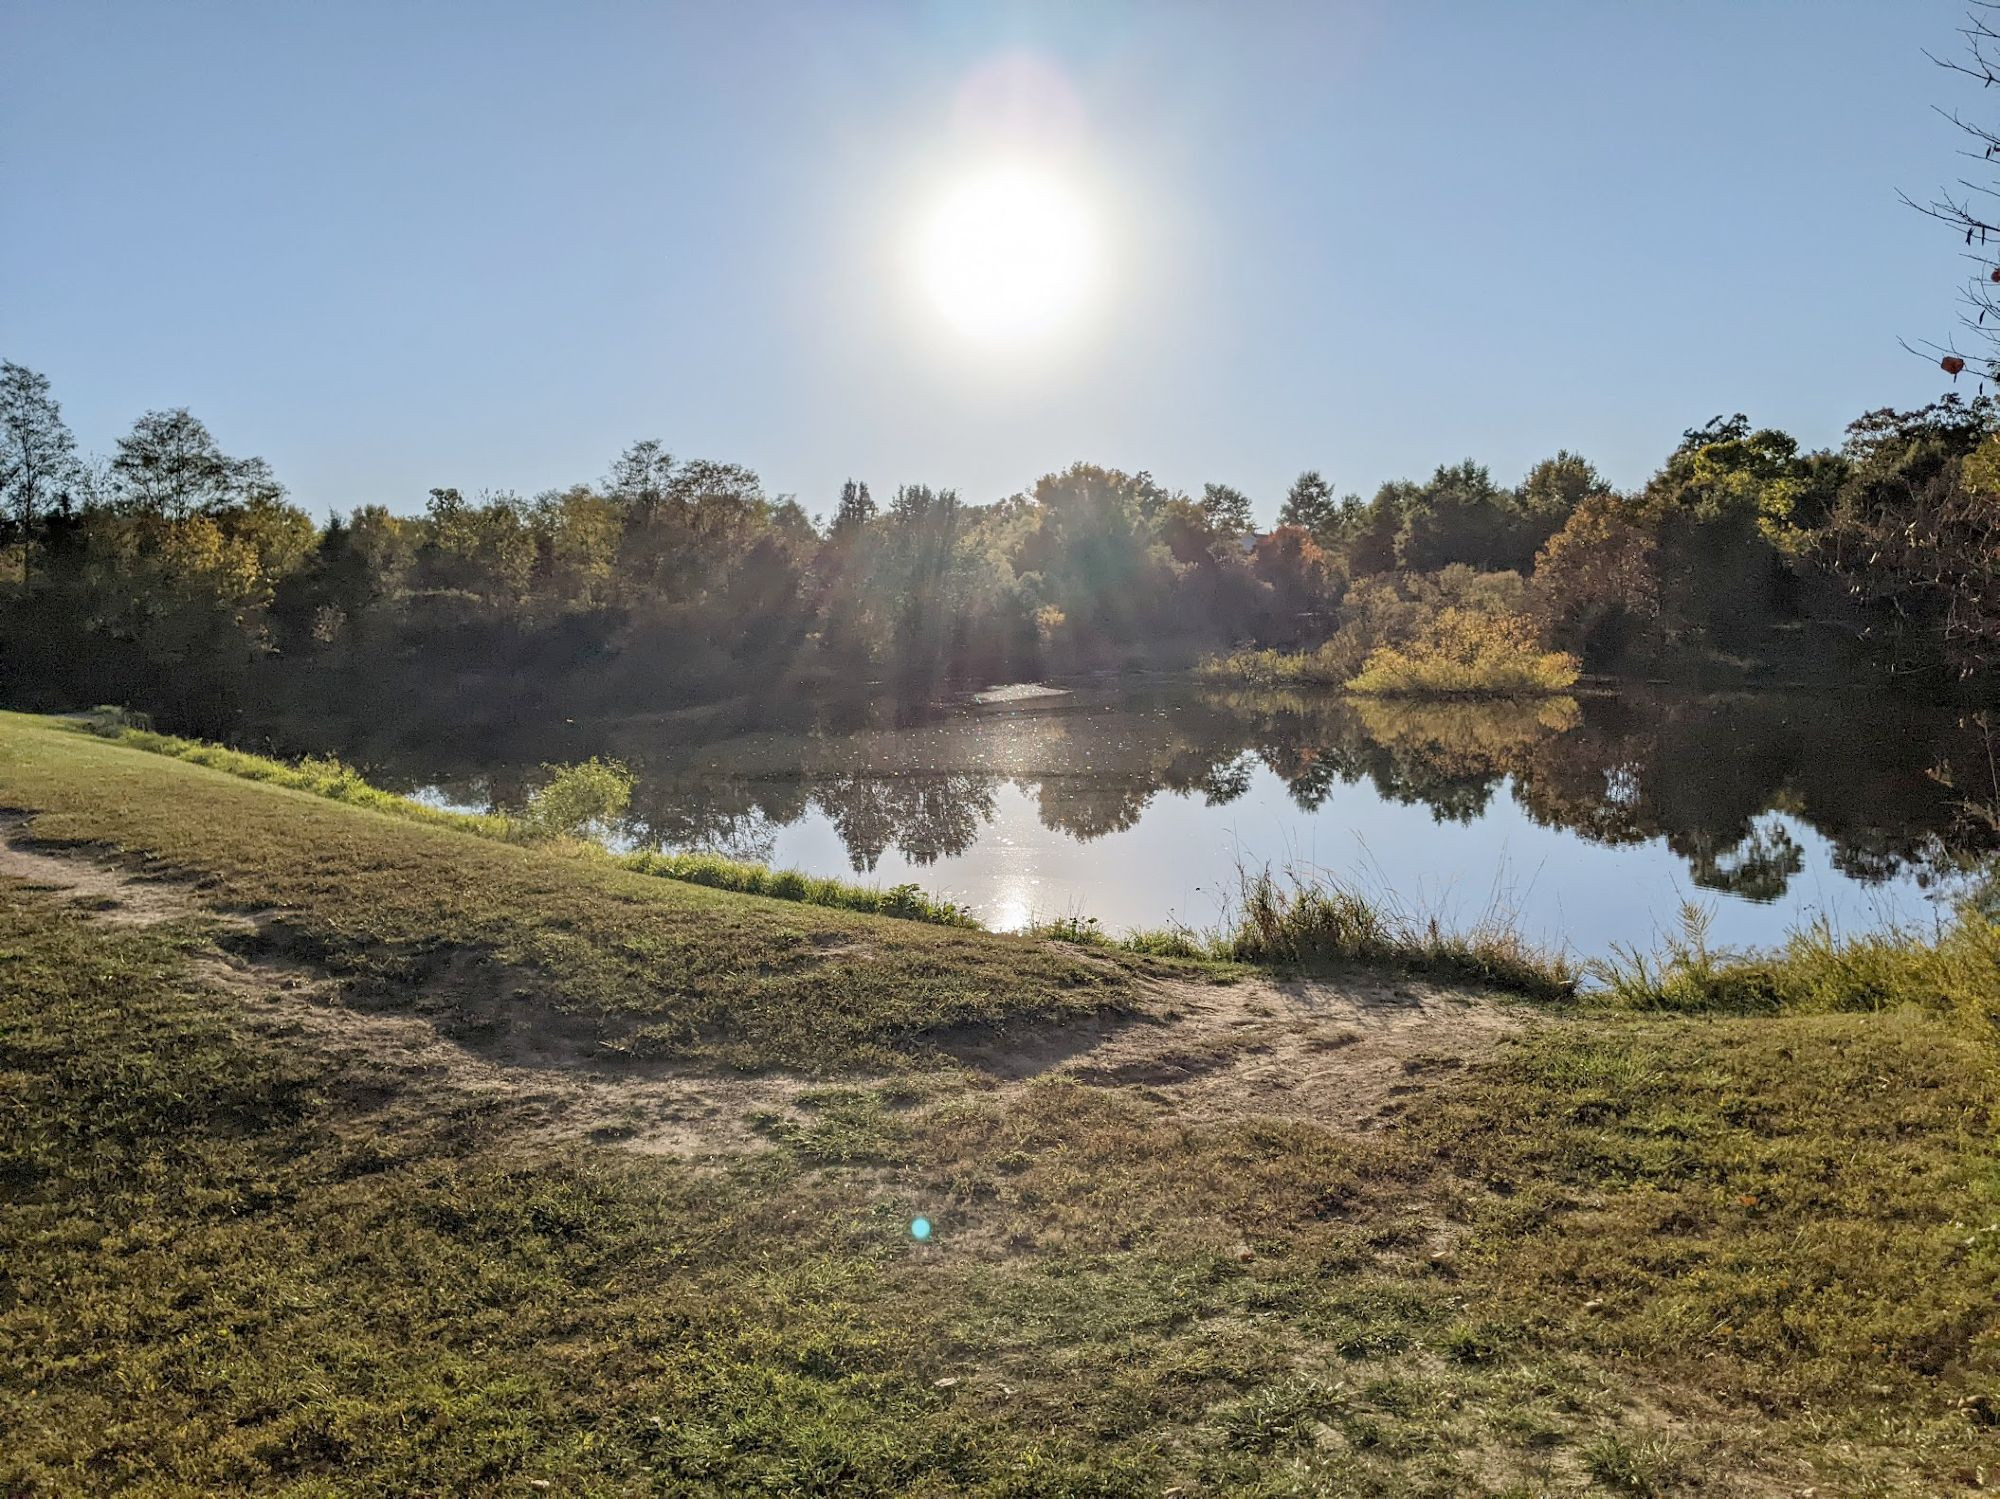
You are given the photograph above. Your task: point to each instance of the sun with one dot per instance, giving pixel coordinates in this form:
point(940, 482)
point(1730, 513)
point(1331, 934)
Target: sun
point(1009, 255)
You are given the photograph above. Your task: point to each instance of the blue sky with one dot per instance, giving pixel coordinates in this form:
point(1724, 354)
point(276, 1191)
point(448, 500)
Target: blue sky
point(486, 245)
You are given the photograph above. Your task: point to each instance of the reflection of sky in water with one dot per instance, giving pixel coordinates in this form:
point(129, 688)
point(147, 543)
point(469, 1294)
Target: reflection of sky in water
point(1141, 810)
point(1178, 862)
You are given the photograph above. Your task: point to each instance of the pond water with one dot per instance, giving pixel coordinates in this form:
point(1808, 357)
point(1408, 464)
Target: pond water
point(1589, 820)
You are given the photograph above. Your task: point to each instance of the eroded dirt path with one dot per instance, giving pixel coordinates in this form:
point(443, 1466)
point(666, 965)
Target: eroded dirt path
point(109, 894)
point(1344, 1055)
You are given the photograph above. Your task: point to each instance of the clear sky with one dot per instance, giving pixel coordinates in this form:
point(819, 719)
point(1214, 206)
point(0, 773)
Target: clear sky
point(488, 244)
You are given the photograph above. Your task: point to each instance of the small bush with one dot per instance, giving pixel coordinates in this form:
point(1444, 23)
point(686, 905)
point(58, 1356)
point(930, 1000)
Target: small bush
point(1166, 942)
point(580, 801)
point(1327, 666)
point(1077, 929)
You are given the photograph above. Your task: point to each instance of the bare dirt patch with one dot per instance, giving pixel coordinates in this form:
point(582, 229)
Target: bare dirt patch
point(1346, 1052)
point(479, 1044)
point(417, 1069)
point(109, 894)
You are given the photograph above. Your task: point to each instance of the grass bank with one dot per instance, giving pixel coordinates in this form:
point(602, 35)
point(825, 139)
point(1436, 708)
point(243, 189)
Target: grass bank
point(1953, 970)
point(655, 967)
point(1627, 1253)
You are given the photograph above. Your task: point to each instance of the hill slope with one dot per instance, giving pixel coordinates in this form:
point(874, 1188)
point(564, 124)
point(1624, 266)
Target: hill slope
point(343, 1155)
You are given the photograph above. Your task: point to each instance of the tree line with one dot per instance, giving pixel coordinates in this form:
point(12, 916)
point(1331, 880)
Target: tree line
point(174, 577)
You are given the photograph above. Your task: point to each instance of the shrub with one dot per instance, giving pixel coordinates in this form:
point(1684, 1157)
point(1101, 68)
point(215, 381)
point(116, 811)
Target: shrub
point(1077, 929)
point(1464, 652)
point(1328, 665)
point(580, 801)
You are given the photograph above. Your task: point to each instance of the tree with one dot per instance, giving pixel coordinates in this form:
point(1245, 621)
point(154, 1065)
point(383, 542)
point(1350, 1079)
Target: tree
point(1597, 584)
point(1309, 505)
point(1368, 531)
point(1227, 510)
point(1555, 487)
point(37, 454)
point(1100, 564)
point(855, 509)
point(1717, 508)
point(640, 475)
point(1915, 527)
point(1295, 569)
point(1959, 206)
point(1461, 516)
point(169, 465)
point(487, 550)
point(914, 573)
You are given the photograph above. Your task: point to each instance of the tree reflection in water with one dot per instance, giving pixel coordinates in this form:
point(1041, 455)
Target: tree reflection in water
point(1720, 781)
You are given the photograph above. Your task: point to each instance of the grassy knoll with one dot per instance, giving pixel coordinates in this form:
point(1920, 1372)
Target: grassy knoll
point(1627, 1253)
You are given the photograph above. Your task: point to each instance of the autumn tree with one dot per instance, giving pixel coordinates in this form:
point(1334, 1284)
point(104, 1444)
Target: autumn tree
point(1596, 582)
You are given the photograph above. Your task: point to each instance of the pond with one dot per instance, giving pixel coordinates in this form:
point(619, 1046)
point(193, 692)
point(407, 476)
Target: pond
point(1590, 821)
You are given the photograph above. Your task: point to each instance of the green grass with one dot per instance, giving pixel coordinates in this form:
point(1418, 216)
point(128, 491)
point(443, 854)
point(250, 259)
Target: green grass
point(1653, 1253)
point(906, 901)
point(331, 778)
point(1954, 971)
point(653, 967)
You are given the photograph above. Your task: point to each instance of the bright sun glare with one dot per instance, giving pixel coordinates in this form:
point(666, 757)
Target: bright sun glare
point(1009, 256)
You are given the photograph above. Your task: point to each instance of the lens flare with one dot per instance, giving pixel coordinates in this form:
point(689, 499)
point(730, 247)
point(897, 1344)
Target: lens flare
point(920, 1229)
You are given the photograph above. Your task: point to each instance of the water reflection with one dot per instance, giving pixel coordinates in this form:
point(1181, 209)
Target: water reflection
point(1726, 787)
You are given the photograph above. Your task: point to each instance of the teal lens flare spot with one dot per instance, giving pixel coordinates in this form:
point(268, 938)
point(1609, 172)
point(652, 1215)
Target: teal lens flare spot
point(920, 1228)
